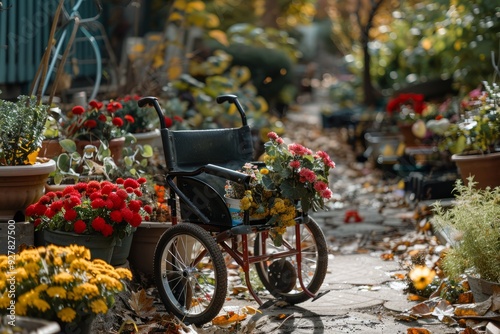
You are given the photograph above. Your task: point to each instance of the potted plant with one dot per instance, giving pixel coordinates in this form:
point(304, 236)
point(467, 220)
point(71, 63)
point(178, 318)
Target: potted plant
point(473, 228)
point(22, 176)
point(60, 284)
point(94, 214)
point(293, 179)
point(96, 124)
point(143, 123)
point(474, 138)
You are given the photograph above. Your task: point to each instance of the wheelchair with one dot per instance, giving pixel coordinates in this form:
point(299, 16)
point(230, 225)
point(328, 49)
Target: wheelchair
point(190, 260)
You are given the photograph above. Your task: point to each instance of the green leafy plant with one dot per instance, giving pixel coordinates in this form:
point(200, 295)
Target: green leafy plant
point(474, 222)
point(21, 130)
point(96, 163)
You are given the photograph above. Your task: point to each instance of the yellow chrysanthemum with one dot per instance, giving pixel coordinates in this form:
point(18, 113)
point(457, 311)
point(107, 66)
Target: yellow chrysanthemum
point(56, 291)
point(85, 290)
point(109, 282)
point(80, 251)
point(264, 171)
point(245, 203)
point(99, 306)
point(41, 304)
point(40, 288)
point(21, 274)
point(421, 276)
point(63, 278)
point(67, 314)
point(124, 273)
point(32, 268)
point(4, 301)
point(21, 308)
point(79, 265)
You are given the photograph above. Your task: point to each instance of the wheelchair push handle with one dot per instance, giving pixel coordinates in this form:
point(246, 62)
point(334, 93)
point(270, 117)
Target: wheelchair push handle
point(153, 101)
point(233, 99)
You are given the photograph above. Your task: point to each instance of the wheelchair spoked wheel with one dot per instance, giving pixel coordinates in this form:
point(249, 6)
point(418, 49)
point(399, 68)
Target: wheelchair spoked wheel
point(190, 273)
point(279, 276)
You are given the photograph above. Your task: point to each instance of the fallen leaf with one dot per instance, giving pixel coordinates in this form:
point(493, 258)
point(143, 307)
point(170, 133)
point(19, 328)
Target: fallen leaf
point(281, 316)
point(228, 319)
point(142, 304)
point(415, 330)
point(465, 298)
point(475, 309)
point(250, 310)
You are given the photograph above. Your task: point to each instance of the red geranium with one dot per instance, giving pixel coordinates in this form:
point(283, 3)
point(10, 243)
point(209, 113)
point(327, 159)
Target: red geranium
point(413, 101)
point(96, 207)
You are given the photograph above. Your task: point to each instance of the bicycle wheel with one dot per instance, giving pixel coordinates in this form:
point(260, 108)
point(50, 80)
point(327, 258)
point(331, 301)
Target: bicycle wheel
point(279, 277)
point(190, 273)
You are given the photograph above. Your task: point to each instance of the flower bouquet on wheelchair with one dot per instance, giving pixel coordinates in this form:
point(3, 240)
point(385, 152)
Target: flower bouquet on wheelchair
point(290, 182)
point(275, 236)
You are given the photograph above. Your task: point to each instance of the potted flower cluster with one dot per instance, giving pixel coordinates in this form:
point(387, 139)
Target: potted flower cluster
point(60, 284)
point(474, 139)
point(22, 177)
point(294, 179)
point(94, 214)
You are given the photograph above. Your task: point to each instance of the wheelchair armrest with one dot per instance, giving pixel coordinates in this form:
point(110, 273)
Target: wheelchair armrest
point(228, 174)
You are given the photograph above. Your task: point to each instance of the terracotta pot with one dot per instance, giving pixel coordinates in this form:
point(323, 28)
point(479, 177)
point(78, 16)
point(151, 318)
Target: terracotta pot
point(21, 186)
point(115, 146)
point(50, 148)
point(143, 246)
point(484, 167)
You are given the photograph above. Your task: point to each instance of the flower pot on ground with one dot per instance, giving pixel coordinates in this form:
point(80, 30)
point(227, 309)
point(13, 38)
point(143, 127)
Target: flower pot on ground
point(100, 247)
point(476, 135)
point(111, 210)
point(121, 250)
point(61, 284)
point(21, 134)
point(473, 220)
point(21, 186)
point(483, 167)
point(144, 244)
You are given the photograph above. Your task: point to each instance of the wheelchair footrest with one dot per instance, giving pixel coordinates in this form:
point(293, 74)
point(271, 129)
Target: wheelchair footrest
point(319, 295)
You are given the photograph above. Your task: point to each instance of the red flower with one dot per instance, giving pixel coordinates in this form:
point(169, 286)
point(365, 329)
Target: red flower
point(116, 216)
point(135, 205)
point(131, 183)
point(320, 186)
point(295, 164)
point(148, 209)
point(136, 220)
point(78, 110)
point(129, 119)
point(122, 193)
point(307, 175)
point(98, 223)
point(79, 226)
point(117, 121)
point(326, 159)
point(102, 118)
point(90, 124)
point(114, 106)
point(272, 135)
point(178, 119)
point(127, 214)
point(168, 122)
point(56, 206)
point(70, 215)
point(142, 180)
point(95, 104)
point(98, 203)
point(298, 149)
point(107, 230)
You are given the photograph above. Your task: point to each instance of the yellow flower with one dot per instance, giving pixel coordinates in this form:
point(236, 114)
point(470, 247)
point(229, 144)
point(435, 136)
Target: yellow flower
point(4, 301)
point(21, 274)
point(40, 288)
point(21, 308)
point(109, 282)
point(85, 290)
point(264, 171)
point(124, 273)
point(99, 306)
point(56, 291)
point(67, 314)
point(79, 265)
point(421, 276)
point(41, 304)
point(32, 268)
point(80, 251)
point(63, 278)
point(245, 203)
